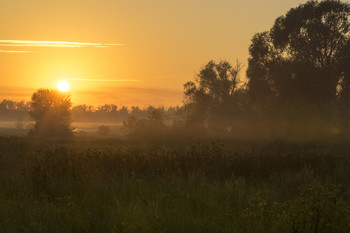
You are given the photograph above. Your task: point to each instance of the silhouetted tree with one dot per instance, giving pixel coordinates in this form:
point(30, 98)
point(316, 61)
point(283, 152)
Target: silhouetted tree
point(300, 61)
point(215, 97)
point(51, 111)
point(344, 88)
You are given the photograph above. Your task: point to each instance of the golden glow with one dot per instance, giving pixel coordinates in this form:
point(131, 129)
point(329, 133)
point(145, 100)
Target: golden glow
point(99, 47)
point(63, 86)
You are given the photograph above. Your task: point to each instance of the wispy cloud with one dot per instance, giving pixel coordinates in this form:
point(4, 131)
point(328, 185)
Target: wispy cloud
point(14, 51)
point(129, 96)
point(66, 44)
point(104, 80)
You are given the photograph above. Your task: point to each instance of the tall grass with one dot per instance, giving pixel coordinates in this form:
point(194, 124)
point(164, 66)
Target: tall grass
point(115, 186)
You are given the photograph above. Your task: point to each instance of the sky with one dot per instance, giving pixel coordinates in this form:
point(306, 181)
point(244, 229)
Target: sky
point(124, 52)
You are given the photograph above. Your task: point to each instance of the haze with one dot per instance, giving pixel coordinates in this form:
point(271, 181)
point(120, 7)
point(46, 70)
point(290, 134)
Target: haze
point(123, 52)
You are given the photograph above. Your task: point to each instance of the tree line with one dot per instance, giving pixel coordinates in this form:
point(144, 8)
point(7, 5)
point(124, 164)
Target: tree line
point(298, 84)
point(298, 77)
point(109, 113)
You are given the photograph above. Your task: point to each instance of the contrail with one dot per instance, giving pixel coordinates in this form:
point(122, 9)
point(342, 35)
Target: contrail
point(103, 80)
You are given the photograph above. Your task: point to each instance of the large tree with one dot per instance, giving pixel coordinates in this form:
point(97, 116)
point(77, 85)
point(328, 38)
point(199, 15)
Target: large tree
point(51, 111)
point(215, 97)
point(303, 60)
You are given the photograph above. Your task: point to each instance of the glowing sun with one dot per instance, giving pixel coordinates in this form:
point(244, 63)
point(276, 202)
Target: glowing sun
point(62, 86)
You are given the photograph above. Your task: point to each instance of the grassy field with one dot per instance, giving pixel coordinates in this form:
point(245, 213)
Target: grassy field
point(109, 185)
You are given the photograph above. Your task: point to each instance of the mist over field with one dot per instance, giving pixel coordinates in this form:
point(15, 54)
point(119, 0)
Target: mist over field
point(256, 146)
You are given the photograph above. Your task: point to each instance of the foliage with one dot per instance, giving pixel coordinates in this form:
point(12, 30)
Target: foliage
point(51, 111)
point(215, 97)
point(112, 186)
point(302, 62)
point(319, 208)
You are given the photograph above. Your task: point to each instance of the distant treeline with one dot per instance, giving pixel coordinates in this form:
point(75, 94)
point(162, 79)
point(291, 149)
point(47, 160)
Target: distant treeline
point(113, 113)
point(11, 110)
point(109, 113)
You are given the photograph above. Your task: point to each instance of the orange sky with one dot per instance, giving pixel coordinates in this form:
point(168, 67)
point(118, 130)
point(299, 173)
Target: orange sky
point(130, 52)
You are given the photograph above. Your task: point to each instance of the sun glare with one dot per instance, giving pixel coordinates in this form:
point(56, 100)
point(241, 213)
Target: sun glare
point(62, 86)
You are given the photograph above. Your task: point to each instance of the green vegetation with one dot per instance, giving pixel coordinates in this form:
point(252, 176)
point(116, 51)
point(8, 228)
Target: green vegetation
point(160, 179)
point(106, 185)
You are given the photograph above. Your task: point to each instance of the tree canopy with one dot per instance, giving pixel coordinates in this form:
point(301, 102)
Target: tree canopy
point(298, 71)
point(51, 111)
point(215, 96)
point(303, 60)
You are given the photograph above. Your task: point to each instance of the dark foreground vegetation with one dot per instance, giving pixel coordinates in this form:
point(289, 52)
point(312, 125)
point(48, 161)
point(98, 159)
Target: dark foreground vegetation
point(170, 174)
point(116, 186)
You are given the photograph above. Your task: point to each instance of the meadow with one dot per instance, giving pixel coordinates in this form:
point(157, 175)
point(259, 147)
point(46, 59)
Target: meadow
point(153, 128)
point(93, 184)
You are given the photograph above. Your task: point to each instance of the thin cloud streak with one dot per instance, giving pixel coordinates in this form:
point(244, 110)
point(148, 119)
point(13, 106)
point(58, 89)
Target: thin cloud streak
point(66, 44)
point(103, 80)
point(14, 51)
point(128, 96)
